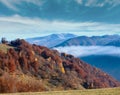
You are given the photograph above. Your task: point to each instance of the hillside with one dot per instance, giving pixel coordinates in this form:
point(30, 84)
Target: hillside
point(106, 40)
point(27, 68)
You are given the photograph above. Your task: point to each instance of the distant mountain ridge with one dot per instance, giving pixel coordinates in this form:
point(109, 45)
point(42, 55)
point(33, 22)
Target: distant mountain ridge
point(106, 40)
point(51, 40)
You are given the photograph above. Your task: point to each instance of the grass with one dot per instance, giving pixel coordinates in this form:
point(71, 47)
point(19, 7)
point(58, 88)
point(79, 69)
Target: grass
point(4, 47)
point(106, 91)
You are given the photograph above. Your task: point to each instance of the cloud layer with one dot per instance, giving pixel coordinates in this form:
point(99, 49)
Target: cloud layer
point(24, 27)
point(12, 4)
point(79, 51)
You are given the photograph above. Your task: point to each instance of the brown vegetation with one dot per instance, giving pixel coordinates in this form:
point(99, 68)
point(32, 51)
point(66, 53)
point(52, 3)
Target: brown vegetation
point(26, 67)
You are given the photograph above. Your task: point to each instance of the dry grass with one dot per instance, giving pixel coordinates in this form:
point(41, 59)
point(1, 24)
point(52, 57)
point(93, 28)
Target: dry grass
point(4, 47)
point(20, 83)
point(107, 91)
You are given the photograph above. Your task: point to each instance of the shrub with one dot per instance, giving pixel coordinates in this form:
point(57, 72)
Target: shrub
point(7, 83)
point(19, 83)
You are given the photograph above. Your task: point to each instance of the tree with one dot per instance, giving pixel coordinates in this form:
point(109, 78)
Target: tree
point(4, 41)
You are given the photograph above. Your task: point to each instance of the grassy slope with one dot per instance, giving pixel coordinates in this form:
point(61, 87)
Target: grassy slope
point(4, 47)
point(107, 91)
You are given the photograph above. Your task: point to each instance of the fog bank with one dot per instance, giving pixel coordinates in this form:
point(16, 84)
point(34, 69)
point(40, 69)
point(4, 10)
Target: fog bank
point(90, 50)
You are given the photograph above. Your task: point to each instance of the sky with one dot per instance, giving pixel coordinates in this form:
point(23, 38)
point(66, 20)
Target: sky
point(35, 18)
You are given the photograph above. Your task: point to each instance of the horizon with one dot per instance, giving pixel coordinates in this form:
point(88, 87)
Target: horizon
point(61, 34)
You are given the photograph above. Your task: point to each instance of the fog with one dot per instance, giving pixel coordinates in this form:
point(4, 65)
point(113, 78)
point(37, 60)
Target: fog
point(79, 51)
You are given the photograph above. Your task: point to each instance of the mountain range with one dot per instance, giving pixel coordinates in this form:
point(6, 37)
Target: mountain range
point(106, 40)
point(66, 39)
point(50, 40)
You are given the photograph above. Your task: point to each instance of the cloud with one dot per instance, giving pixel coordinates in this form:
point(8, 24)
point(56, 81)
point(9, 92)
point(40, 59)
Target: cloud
point(91, 2)
point(99, 3)
point(79, 51)
point(24, 27)
point(79, 1)
point(113, 2)
point(9, 4)
point(12, 4)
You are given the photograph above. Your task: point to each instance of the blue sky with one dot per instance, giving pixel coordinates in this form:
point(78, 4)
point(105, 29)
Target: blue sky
point(34, 18)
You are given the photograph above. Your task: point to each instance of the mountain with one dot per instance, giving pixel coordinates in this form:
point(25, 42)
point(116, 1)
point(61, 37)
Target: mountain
point(50, 40)
point(107, 63)
point(106, 40)
point(114, 43)
point(25, 67)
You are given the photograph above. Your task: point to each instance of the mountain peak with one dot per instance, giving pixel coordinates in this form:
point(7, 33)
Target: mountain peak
point(51, 40)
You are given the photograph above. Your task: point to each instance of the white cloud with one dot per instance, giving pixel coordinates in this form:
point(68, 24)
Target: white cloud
point(9, 4)
point(12, 3)
point(24, 27)
point(79, 1)
point(79, 51)
point(113, 2)
point(91, 3)
point(99, 3)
